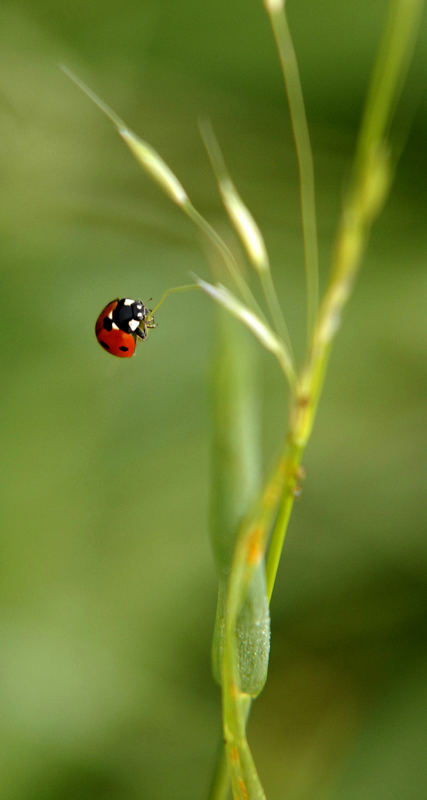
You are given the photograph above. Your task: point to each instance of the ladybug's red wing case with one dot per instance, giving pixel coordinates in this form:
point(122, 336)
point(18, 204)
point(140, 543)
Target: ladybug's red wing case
point(118, 343)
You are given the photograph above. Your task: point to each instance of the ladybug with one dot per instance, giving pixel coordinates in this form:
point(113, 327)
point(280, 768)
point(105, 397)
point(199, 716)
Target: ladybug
point(119, 325)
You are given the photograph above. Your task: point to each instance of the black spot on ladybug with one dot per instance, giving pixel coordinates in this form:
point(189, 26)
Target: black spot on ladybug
point(125, 349)
point(105, 345)
point(107, 324)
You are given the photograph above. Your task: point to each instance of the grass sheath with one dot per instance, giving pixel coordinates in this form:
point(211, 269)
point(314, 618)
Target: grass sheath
point(236, 476)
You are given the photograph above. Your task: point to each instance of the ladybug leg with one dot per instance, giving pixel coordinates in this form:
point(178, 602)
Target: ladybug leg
point(141, 333)
point(150, 322)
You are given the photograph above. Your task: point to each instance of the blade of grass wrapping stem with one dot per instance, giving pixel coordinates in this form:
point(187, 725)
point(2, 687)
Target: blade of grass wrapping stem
point(236, 706)
point(235, 481)
point(248, 554)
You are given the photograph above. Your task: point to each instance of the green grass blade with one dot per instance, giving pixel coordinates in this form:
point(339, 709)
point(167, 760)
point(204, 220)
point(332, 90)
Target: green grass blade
point(276, 11)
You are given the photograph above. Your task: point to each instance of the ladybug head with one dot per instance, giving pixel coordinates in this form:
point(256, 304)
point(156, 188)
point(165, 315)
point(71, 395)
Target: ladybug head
point(129, 314)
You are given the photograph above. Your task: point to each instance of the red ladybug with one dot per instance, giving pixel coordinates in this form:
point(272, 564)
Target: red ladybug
point(119, 325)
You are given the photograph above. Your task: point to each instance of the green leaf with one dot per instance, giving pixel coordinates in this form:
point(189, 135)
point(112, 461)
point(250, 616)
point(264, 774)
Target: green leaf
point(235, 483)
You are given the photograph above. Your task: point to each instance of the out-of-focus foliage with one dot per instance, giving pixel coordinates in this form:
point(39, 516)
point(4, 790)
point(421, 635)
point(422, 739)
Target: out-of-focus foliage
point(107, 590)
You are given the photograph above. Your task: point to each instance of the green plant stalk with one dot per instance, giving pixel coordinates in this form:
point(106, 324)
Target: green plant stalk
point(292, 460)
point(220, 784)
point(367, 194)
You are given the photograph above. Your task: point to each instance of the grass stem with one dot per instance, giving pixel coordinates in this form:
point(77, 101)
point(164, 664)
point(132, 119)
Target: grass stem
point(220, 784)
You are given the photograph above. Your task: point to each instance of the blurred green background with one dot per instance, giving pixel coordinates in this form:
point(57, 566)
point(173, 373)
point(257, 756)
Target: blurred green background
point(107, 591)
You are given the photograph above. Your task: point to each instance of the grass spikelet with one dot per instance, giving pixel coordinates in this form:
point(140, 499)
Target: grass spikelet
point(155, 166)
point(240, 216)
point(261, 330)
point(144, 153)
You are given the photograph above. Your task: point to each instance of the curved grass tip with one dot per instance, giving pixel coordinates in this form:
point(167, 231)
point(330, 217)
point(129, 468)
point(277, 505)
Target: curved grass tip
point(269, 340)
point(245, 226)
point(239, 214)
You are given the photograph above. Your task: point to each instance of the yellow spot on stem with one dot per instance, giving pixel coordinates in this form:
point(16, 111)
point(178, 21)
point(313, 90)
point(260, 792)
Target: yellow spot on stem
point(255, 551)
point(234, 691)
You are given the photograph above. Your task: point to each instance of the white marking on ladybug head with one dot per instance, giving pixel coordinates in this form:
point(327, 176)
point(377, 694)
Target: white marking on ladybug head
point(133, 324)
point(128, 302)
point(115, 327)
